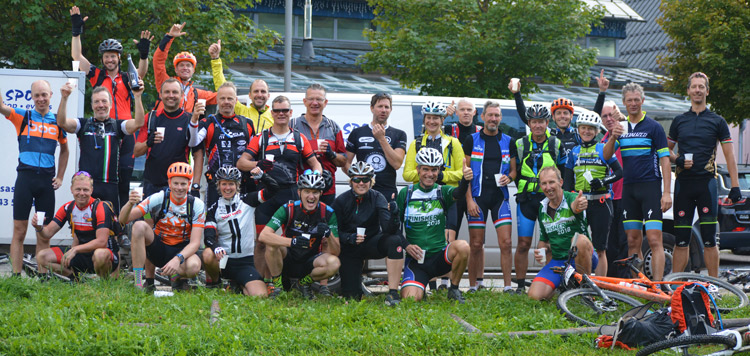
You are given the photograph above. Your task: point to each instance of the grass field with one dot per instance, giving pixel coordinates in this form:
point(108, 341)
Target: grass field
point(111, 317)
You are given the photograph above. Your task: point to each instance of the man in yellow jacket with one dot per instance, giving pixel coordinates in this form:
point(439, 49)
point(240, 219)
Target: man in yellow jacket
point(258, 112)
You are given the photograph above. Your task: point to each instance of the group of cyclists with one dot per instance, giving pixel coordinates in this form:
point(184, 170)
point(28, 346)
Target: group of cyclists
point(268, 170)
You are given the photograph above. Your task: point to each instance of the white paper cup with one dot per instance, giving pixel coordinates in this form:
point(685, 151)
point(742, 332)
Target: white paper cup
point(40, 217)
point(320, 143)
point(421, 260)
point(361, 231)
point(75, 65)
point(587, 175)
point(161, 130)
point(624, 125)
point(514, 83)
point(270, 157)
point(202, 101)
point(543, 252)
point(497, 179)
point(223, 261)
point(689, 156)
point(139, 190)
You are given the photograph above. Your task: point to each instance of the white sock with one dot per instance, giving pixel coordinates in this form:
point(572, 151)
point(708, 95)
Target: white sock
point(444, 281)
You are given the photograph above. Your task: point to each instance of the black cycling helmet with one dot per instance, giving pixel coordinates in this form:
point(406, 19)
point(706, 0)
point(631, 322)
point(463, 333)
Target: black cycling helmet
point(537, 111)
point(229, 173)
point(110, 45)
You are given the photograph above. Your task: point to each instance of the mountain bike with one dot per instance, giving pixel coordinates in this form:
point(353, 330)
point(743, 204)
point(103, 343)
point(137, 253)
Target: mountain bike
point(726, 342)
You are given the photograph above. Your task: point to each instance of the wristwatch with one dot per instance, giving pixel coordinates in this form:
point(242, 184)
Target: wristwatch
point(181, 257)
point(195, 186)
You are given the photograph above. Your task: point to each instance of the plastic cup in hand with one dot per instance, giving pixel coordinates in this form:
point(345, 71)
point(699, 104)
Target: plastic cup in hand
point(624, 125)
point(40, 217)
point(688, 156)
point(76, 64)
point(361, 231)
point(588, 176)
point(270, 157)
point(161, 130)
point(223, 261)
point(514, 83)
point(497, 179)
point(543, 253)
point(421, 260)
point(320, 143)
point(202, 101)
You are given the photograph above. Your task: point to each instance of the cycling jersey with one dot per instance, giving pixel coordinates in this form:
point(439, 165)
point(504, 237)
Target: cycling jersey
point(100, 147)
point(697, 133)
point(568, 139)
point(369, 211)
point(230, 224)
point(588, 158)
point(224, 139)
point(286, 151)
point(641, 147)
point(318, 223)
point(558, 230)
point(460, 131)
point(173, 226)
point(366, 148)
point(424, 216)
point(490, 155)
point(191, 94)
point(453, 158)
point(328, 130)
point(532, 156)
point(38, 138)
point(261, 119)
point(174, 147)
point(617, 185)
point(82, 220)
point(119, 89)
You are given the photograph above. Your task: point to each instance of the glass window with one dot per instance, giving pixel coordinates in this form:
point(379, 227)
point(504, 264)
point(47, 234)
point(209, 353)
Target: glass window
point(322, 27)
point(606, 46)
point(351, 29)
point(272, 22)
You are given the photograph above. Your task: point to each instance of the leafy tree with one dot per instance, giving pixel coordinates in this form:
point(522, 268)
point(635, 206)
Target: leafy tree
point(711, 37)
point(37, 33)
point(473, 47)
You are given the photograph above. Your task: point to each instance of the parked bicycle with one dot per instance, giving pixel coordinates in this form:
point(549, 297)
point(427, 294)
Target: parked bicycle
point(726, 342)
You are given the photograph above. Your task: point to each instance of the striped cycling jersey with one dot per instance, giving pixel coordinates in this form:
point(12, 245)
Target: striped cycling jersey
point(100, 147)
point(38, 140)
point(641, 147)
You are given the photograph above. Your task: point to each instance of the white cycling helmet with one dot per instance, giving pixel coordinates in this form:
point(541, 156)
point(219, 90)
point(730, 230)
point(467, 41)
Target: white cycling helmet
point(434, 108)
point(311, 181)
point(589, 118)
point(428, 156)
point(361, 168)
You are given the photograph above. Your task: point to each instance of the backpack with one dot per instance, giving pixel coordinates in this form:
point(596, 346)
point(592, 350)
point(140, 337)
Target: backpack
point(638, 327)
point(212, 133)
point(418, 146)
point(526, 149)
point(163, 211)
point(116, 228)
point(410, 191)
point(691, 310)
point(266, 135)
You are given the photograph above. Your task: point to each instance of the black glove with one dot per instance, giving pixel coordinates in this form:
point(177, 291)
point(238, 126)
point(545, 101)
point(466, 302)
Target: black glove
point(321, 230)
point(680, 162)
point(265, 165)
point(150, 139)
point(330, 154)
point(596, 184)
point(270, 185)
point(735, 194)
point(301, 242)
point(144, 46)
point(327, 179)
point(78, 23)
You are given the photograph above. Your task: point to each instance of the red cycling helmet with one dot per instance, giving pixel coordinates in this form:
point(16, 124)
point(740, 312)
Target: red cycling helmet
point(180, 169)
point(562, 103)
point(184, 56)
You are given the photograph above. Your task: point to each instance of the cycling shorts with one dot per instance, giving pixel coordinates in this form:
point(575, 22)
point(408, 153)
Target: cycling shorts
point(265, 211)
point(452, 218)
point(527, 211)
point(552, 279)
point(418, 275)
point(108, 192)
point(642, 201)
point(689, 194)
point(599, 216)
point(84, 262)
point(241, 270)
point(500, 210)
point(298, 268)
point(36, 190)
point(160, 253)
point(353, 258)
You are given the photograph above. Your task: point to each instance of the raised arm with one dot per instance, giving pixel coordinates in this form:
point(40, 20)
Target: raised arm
point(603, 86)
point(140, 115)
point(162, 52)
point(69, 125)
point(5, 109)
point(144, 47)
point(75, 44)
point(520, 106)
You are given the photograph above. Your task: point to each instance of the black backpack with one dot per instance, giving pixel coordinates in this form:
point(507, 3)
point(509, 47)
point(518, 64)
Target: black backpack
point(691, 309)
point(116, 228)
point(638, 327)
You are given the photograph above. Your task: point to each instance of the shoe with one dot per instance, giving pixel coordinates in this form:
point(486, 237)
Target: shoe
point(442, 287)
point(213, 285)
point(324, 291)
point(306, 291)
point(392, 299)
point(509, 290)
point(472, 290)
point(455, 294)
point(481, 287)
point(180, 285)
point(521, 290)
point(274, 292)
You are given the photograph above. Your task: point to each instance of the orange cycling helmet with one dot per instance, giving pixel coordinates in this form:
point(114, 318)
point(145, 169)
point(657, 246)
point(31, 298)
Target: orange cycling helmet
point(562, 103)
point(184, 56)
point(180, 169)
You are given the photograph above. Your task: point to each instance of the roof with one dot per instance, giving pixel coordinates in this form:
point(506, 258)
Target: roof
point(616, 9)
point(645, 40)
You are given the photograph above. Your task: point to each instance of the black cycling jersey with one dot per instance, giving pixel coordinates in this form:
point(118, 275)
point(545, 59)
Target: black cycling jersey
point(367, 149)
point(369, 211)
point(698, 133)
point(463, 131)
point(492, 158)
point(100, 147)
point(174, 147)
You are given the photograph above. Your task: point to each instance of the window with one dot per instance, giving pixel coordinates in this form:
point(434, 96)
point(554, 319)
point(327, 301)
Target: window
point(272, 22)
point(607, 46)
point(351, 29)
point(322, 27)
point(327, 28)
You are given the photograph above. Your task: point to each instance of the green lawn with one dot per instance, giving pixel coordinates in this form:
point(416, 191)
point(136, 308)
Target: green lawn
point(108, 317)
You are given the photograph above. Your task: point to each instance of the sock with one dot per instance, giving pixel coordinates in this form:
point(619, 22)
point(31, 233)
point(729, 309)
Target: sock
point(521, 282)
point(433, 285)
point(307, 280)
point(480, 281)
point(454, 286)
point(268, 280)
point(149, 281)
point(473, 288)
point(139, 272)
point(276, 281)
point(444, 281)
point(507, 288)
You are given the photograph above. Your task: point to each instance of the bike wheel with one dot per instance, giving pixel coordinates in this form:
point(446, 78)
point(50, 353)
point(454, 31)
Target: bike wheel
point(586, 307)
point(727, 296)
point(690, 345)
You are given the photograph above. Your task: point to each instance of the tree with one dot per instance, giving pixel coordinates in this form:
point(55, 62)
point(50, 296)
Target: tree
point(37, 33)
point(474, 47)
point(710, 37)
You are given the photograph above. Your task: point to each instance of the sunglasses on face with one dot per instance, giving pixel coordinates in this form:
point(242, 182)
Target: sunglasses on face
point(281, 110)
point(361, 180)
